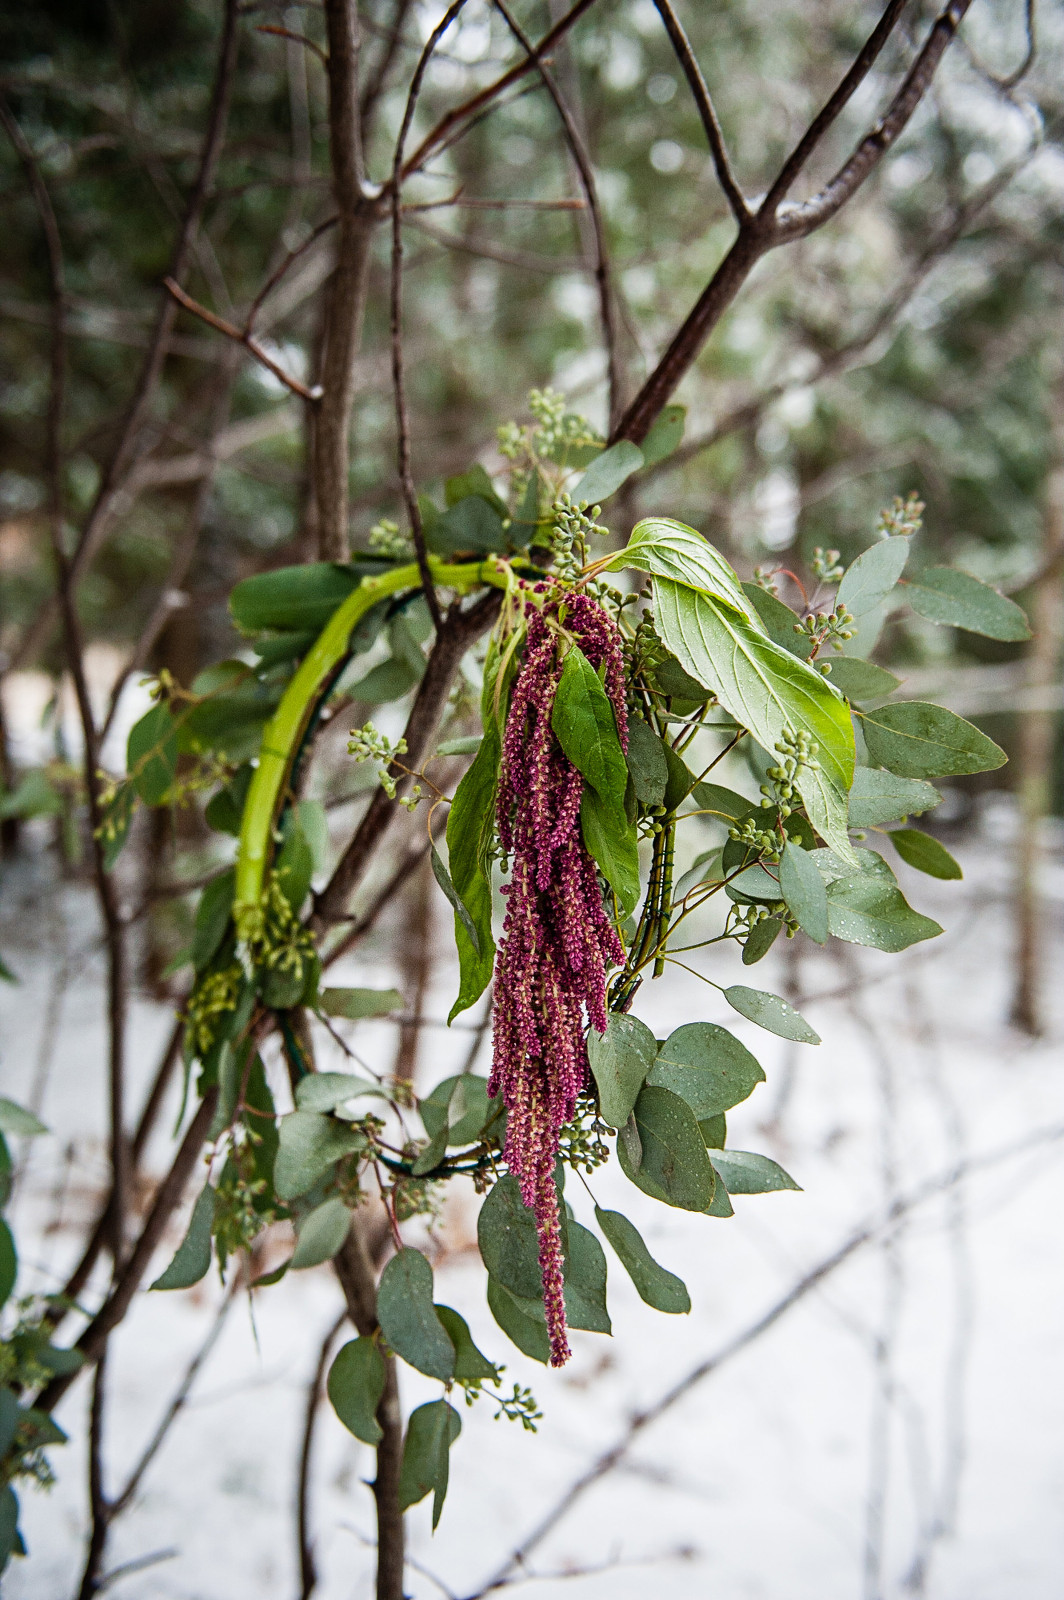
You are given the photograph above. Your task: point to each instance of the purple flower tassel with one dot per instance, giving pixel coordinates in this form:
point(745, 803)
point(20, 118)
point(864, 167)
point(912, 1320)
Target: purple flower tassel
point(557, 943)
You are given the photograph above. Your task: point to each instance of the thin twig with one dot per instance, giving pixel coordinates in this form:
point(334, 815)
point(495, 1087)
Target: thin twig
point(99, 1506)
point(308, 1573)
point(242, 336)
point(706, 110)
point(295, 38)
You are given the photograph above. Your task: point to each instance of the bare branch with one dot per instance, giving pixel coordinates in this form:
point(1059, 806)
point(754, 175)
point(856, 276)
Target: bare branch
point(241, 336)
point(296, 38)
point(582, 162)
point(308, 1572)
point(523, 260)
point(703, 100)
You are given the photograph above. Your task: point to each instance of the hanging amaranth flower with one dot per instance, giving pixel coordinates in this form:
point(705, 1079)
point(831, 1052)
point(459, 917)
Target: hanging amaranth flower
point(557, 943)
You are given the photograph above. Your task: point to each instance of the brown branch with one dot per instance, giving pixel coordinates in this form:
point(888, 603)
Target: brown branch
point(847, 87)
point(279, 272)
point(346, 298)
point(167, 1198)
point(455, 119)
point(459, 630)
point(764, 230)
point(99, 1505)
point(295, 38)
point(582, 162)
point(384, 897)
point(124, 454)
point(402, 420)
point(523, 260)
point(308, 1572)
point(241, 336)
point(706, 110)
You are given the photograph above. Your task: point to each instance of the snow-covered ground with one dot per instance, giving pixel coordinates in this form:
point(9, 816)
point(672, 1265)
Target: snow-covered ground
point(899, 1431)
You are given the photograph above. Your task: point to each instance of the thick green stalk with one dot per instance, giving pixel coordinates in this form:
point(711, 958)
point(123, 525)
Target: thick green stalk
point(283, 733)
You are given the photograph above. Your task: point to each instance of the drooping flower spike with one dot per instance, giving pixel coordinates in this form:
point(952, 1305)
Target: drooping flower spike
point(558, 943)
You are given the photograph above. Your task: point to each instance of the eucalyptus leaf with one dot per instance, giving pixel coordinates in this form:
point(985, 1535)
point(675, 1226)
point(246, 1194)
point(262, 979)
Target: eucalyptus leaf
point(527, 1332)
point(408, 1317)
point(674, 1166)
point(655, 1285)
point(459, 1107)
point(924, 853)
point(861, 680)
point(321, 1234)
point(193, 1258)
point(879, 796)
point(468, 744)
point(771, 1012)
point(431, 1431)
point(509, 1243)
point(708, 1067)
point(151, 754)
point(620, 1059)
point(355, 1386)
point(803, 889)
point(868, 908)
point(873, 575)
point(720, 804)
point(706, 868)
point(388, 680)
point(468, 525)
point(608, 471)
point(917, 740)
point(309, 1143)
point(9, 1262)
point(355, 1004)
point(17, 1120)
point(760, 939)
point(944, 595)
point(665, 436)
point(766, 690)
point(469, 1362)
point(743, 1172)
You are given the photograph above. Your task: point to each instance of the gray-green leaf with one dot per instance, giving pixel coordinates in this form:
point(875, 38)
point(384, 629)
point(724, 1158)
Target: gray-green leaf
point(193, 1258)
point(924, 853)
point(469, 1362)
point(16, 1119)
point(743, 1172)
point(655, 1285)
point(324, 1091)
point(509, 1244)
point(868, 908)
point(620, 1059)
point(708, 1067)
point(879, 796)
point(917, 740)
point(674, 1166)
point(527, 1332)
point(873, 575)
point(646, 763)
point(942, 594)
point(608, 471)
point(308, 1144)
point(321, 1234)
point(861, 680)
point(354, 1004)
point(769, 1011)
point(355, 1386)
point(430, 1433)
point(408, 1317)
point(803, 890)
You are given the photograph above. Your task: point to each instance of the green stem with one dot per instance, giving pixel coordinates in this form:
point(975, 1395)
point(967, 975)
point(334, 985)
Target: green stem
point(282, 735)
point(665, 911)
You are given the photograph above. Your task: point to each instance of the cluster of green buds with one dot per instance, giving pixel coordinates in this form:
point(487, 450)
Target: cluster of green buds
point(272, 933)
point(581, 1142)
point(904, 517)
point(213, 997)
point(642, 653)
point(799, 754)
point(766, 580)
point(239, 1215)
point(387, 539)
point(417, 1197)
point(574, 523)
point(369, 744)
point(762, 842)
point(826, 565)
point(832, 627)
point(554, 426)
point(745, 919)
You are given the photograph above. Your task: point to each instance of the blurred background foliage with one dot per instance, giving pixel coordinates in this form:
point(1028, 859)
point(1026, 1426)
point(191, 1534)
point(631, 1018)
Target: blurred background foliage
point(912, 344)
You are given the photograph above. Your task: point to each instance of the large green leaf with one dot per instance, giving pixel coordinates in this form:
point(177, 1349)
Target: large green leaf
point(611, 840)
point(292, 598)
point(917, 740)
point(408, 1317)
point(430, 1433)
point(873, 575)
point(942, 594)
point(672, 550)
point(879, 796)
point(355, 1386)
point(470, 825)
point(193, 1257)
point(586, 728)
point(585, 1281)
point(620, 1059)
point(707, 1067)
point(673, 1165)
point(655, 1284)
point(767, 690)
